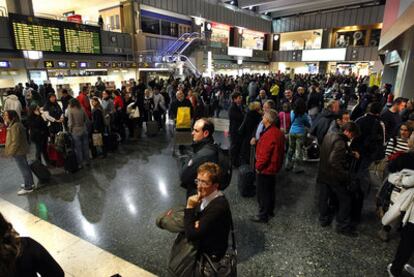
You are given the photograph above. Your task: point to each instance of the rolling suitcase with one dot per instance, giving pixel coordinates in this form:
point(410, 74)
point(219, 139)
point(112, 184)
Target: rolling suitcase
point(152, 128)
point(70, 162)
point(246, 181)
point(40, 170)
point(111, 141)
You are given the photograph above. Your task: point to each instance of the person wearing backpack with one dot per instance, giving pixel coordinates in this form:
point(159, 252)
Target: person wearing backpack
point(205, 150)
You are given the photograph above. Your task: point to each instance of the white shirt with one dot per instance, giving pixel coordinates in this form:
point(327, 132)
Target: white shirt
point(206, 200)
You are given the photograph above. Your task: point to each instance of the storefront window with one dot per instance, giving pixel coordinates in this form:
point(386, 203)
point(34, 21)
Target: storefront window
point(150, 25)
point(352, 38)
point(375, 37)
point(253, 40)
point(219, 35)
point(169, 28)
point(301, 40)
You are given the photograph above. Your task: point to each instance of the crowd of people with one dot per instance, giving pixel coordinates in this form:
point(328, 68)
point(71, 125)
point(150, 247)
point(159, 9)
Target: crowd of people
point(273, 120)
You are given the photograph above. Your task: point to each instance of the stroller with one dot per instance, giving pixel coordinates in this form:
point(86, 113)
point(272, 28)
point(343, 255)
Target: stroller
point(311, 149)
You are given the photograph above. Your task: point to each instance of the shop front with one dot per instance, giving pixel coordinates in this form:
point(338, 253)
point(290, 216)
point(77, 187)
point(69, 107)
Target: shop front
point(252, 40)
point(220, 34)
point(311, 39)
point(295, 67)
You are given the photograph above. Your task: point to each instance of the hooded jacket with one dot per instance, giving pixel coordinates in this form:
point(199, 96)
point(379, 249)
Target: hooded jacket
point(12, 103)
point(321, 124)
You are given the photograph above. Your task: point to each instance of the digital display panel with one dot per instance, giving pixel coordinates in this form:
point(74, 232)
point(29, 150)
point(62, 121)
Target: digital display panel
point(39, 34)
point(330, 55)
point(49, 64)
point(36, 37)
point(83, 64)
point(62, 64)
point(79, 41)
point(4, 64)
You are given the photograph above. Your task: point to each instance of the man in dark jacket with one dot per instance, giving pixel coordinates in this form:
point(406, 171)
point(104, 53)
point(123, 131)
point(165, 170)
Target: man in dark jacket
point(204, 151)
point(334, 178)
point(207, 217)
point(370, 146)
point(236, 116)
point(270, 151)
point(321, 124)
point(392, 118)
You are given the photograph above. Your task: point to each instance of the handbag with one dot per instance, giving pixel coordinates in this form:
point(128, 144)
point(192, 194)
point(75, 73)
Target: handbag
point(183, 257)
point(97, 139)
point(172, 220)
point(225, 267)
point(133, 112)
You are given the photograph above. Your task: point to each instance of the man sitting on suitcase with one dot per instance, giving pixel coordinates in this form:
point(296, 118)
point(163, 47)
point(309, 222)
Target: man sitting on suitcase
point(204, 151)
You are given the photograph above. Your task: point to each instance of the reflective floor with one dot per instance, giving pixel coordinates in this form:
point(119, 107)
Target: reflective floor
point(114, 205)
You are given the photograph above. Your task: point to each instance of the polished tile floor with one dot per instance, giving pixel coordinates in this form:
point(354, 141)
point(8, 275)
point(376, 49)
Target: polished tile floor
point(113, 205)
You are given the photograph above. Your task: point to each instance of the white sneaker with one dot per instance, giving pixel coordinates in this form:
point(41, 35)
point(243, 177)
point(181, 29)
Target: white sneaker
point(24, 191)
point(389, 271)
point(409, 269)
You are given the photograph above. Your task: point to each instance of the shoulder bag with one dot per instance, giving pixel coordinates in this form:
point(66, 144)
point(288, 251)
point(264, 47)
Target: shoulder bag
point(225, 267)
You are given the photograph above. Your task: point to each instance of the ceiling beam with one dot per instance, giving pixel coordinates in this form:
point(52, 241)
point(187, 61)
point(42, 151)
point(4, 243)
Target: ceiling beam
point(247, 3)
point(278, 11)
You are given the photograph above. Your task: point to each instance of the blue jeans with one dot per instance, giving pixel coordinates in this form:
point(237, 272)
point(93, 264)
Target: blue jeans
point(81, 144)
point(25, 170)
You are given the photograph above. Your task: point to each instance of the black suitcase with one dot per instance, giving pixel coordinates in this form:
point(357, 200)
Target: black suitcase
point(70, 162)
point(246, 181)
point(152, 128)
point(111, 141)
point(40, 170)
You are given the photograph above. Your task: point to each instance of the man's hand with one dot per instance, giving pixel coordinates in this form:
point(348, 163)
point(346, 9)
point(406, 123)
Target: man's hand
point(193, 201)
point(253, 141)
point(356, 155)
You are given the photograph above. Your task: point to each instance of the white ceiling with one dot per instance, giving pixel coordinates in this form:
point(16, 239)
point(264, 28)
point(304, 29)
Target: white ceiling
point(89, 9)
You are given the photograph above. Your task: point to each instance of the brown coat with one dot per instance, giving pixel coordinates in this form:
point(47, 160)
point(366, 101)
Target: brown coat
point(16, 140)
point(334, 160)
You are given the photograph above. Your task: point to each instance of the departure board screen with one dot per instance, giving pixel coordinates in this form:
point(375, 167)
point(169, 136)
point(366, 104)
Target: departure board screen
point(80, 41)
point(36, 37)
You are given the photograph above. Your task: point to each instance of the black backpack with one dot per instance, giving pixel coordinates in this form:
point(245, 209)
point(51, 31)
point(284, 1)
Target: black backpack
point(224, 162)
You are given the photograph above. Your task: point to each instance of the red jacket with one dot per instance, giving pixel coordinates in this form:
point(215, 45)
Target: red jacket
point(270, 151)
point(118, 102)
point(86, 105)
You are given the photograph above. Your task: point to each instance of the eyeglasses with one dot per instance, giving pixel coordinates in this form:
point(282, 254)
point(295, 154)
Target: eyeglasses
point(201, 182)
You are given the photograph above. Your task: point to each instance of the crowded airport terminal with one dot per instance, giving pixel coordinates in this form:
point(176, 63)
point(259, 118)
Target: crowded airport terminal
point(206, 138)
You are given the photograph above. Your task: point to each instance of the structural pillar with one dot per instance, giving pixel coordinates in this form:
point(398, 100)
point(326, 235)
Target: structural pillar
point(24, 7)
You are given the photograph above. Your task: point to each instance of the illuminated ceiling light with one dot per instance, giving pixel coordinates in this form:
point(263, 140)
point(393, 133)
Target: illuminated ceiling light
point(251, 8)
point(232, 3)
point(208, 26)
point(276, 37)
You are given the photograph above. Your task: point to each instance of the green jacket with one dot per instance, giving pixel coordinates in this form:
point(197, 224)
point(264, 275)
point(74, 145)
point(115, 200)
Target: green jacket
point(16, 140)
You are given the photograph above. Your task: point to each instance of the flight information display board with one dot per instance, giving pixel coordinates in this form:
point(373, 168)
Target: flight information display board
point(40, 34)
point(36, 37)
point(80, 41)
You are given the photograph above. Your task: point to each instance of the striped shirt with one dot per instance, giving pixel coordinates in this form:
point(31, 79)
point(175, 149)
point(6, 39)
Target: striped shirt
point(400, 146)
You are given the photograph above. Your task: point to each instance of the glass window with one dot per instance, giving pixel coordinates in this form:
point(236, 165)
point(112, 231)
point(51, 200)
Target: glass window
point(150, 25)
point(169, 28)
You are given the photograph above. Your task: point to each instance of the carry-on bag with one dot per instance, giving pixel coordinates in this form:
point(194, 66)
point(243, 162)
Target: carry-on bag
point(71, 163)
point(40, 170)
point(152, 128)
point(246, 181)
